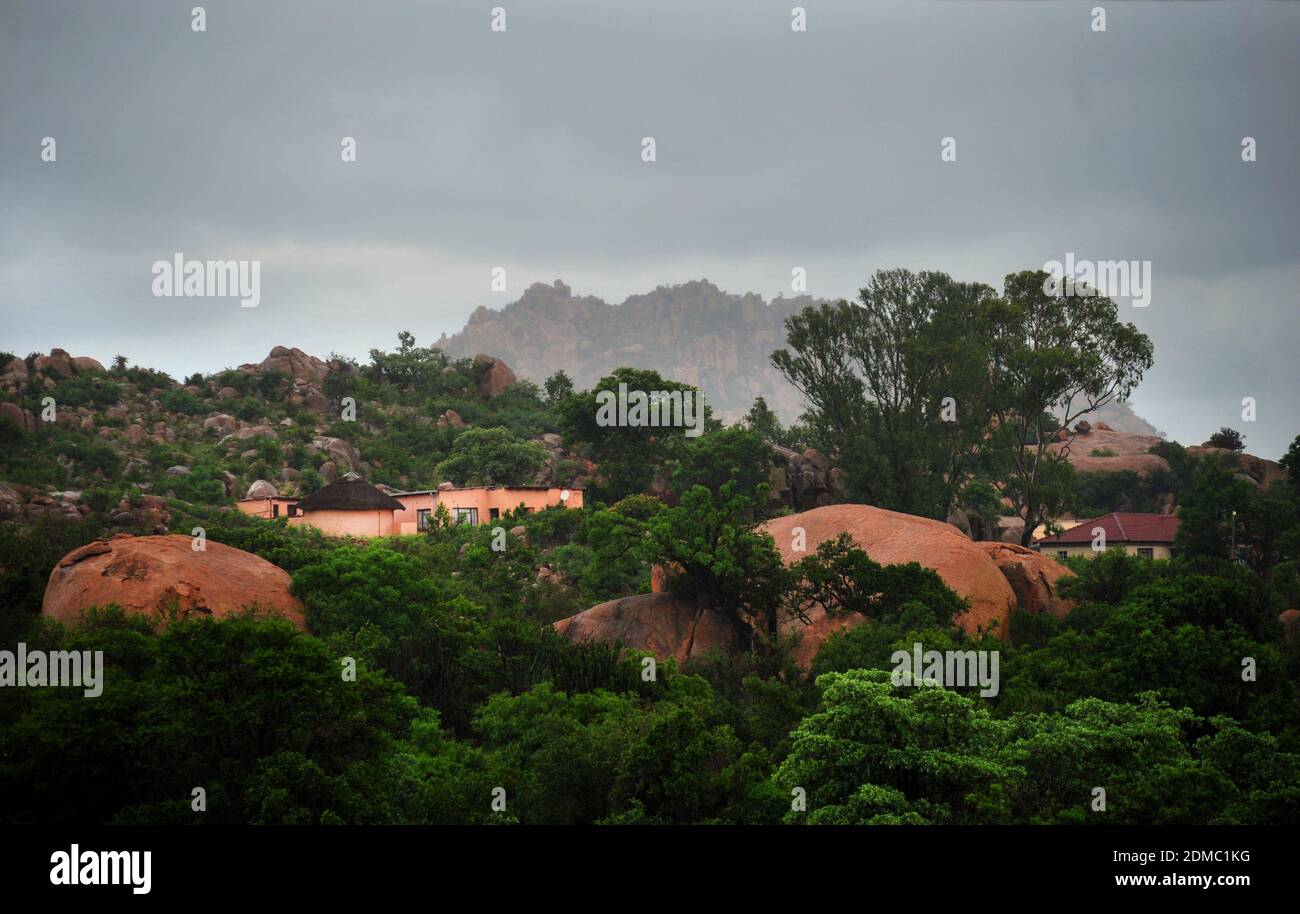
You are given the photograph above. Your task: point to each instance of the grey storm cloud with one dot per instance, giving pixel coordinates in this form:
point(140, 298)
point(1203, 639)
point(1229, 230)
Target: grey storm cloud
point(774, 149)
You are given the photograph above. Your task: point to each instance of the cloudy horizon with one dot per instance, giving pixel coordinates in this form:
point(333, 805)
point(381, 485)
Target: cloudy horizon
point(774, 150)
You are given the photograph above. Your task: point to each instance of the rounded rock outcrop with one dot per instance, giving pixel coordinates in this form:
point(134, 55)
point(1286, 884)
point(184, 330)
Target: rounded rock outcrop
point(891, 538)
point(165, 578)
point(1033, 576)
point(664, 624)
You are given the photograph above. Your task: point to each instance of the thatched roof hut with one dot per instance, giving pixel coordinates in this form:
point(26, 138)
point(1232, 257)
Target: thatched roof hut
point(351, 493)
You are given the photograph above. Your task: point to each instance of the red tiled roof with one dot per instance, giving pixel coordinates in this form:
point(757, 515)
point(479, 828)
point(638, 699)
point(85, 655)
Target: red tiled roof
point(1122, 528)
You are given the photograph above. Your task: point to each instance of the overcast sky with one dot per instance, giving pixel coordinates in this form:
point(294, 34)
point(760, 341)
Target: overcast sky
point(775, 149)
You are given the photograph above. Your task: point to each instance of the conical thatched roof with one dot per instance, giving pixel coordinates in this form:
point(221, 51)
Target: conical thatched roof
point(351, 493)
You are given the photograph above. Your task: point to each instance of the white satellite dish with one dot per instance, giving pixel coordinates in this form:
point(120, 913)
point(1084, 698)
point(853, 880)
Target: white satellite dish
point(564, 495)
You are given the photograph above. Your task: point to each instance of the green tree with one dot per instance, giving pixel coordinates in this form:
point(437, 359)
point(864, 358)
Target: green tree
point(762, 421)
point(840, 578)
point(1228, 438)
point(233, 706)
point(731, 454)
point(1291, 459)
point(681, 767)
point(714, 554)
point(559, 386)
point(1216, 503)
point(385, 607)
point(425, 370)
point(1107, 577)
point(897, 385)
point(492, 456)
point(874, 754)
point(628, 457)
point(1138, 752)
point(563, 752)
point(203, 485)
point(1053, 353)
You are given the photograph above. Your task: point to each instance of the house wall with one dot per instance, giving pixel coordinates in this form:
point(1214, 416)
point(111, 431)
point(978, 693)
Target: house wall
point(265, 507)
point(1054, 550)
point(483, 499)
point(348, 523)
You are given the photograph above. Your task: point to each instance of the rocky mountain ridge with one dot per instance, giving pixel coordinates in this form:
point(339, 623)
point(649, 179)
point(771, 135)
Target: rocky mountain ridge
point(694, 333)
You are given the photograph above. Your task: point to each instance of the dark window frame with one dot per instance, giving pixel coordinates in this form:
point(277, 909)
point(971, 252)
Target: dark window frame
point(466, 514)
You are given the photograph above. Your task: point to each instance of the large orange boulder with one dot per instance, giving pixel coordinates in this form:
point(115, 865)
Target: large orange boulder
point(494, 375)
point(165, 578)
point(1033, 576)
point(294, 363)
point(84, 363)
point(891, 538)
point(20, 417)
point(664, 624)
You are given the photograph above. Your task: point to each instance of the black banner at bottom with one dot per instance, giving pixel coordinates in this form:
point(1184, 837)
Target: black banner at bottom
point(335, 863)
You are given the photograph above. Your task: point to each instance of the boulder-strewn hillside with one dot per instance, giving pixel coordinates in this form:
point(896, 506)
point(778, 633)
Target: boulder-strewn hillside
point(126, 444)
point(1096, 447)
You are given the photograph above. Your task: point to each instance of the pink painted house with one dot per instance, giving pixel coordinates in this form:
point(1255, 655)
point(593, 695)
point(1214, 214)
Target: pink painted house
point(477, 504)
point(350, 506)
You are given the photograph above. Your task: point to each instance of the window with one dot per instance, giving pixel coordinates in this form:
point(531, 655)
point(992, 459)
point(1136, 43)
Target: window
point(467, 516)
point(422, 519)
point(494, 513)
point(293, 510)
point(1062, 555)
point(1146, 552)
point(275, 509)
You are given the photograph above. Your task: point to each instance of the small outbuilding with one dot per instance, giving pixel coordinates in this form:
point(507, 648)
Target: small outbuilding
point(349, 506)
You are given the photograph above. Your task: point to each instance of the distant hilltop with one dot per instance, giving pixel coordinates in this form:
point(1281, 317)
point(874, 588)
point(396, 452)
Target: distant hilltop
point(694, 333)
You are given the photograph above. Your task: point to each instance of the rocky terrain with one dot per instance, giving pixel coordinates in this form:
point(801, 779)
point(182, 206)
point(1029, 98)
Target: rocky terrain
point(993, 578)
point(265, 428)
point(128, 441)
point(131, 448)
point(1094, 446)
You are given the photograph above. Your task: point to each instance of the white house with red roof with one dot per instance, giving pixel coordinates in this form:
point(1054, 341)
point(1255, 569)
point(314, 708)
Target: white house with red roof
point(1149, 536)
